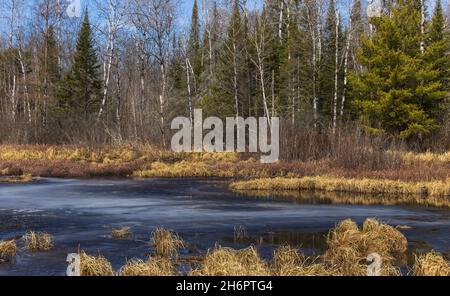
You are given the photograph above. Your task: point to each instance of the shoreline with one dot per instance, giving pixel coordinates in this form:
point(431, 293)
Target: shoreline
point(422, 178)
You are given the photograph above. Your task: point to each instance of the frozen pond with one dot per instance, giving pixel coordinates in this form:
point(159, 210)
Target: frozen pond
point(82, 213)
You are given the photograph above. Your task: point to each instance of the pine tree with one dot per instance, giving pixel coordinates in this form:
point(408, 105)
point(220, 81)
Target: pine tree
point(80, 91)
point(399, 91)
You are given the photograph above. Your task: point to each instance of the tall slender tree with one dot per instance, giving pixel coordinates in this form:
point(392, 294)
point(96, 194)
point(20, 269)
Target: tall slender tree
point(194, 46)
point(81, 88)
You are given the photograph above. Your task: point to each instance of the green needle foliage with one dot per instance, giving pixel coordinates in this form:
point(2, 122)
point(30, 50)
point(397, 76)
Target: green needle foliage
point(80, 91)
point(400, 93)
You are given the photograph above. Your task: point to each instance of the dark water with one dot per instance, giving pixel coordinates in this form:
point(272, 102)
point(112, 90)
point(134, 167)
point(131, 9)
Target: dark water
point(82, 213)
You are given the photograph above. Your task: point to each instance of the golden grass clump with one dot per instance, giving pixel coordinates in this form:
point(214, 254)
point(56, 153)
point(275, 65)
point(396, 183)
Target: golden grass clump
point(348, 247)
point(216, 156)
point(94, 266)
point(25, 178)
point(230, 262)
point(38, 241)
point(384, 238)
point(101, 155)
point(166, 243)
point(8, 250)
point(179, 169)
point(433, 189)
point(427, 157)
point(121, 233)
point(151, 267)
point(347, 198)
point(287, 261)
point(431, 264)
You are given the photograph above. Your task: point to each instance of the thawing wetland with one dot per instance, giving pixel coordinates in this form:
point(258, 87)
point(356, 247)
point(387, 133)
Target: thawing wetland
point(81, 213)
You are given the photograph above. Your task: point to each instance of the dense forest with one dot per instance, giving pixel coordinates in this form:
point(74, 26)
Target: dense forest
point(124, 69)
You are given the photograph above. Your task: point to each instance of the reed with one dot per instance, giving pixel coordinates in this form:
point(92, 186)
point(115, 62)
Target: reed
point(151, 267)
point(166, 243)
point(287, 261)
point(121, 233)
point(431, 264)
point(8, 250)
point(349, 246)
point(434, 189)
point(346, 198)
point(25, 178)
point(230, 262)
point(38, 241)
point(94, 265)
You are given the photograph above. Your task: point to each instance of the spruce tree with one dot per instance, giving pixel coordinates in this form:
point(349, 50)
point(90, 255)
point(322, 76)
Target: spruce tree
point(80, 91)
point(438, 46)
point(437, 55)
point(194, 50)
point(399, 91)
point(328, 62)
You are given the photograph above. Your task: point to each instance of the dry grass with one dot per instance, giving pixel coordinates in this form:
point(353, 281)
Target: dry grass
point(439, 190)
point(177, 170)
point(166, 243)
point(121, 233)
point(8, 250)
point(94, 266)
point(151, 267)
point(431, 264)
point(239, 233)
point(230, 262)
point(38, 241)
point(428, 157)
point(81, 162)
point(141, 160)
point(25, 178)
point(349, 246)
point(103, 155)
point(347, 198)
point(287, 261)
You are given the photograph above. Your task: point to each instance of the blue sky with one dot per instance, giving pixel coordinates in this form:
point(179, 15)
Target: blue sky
point(184, 9)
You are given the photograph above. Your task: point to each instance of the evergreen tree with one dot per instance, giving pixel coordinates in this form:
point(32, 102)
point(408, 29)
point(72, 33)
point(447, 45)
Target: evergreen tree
point(289, 66)
point(226, 93)
point(328, 62)
point(80, 90)
point(399, 92)
point(194, 50)
point(176, 68)
point(437, 55)
point(438, 46)
point(48, 61)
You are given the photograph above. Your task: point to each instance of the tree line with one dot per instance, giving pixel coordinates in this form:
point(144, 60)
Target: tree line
point(125, 71)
